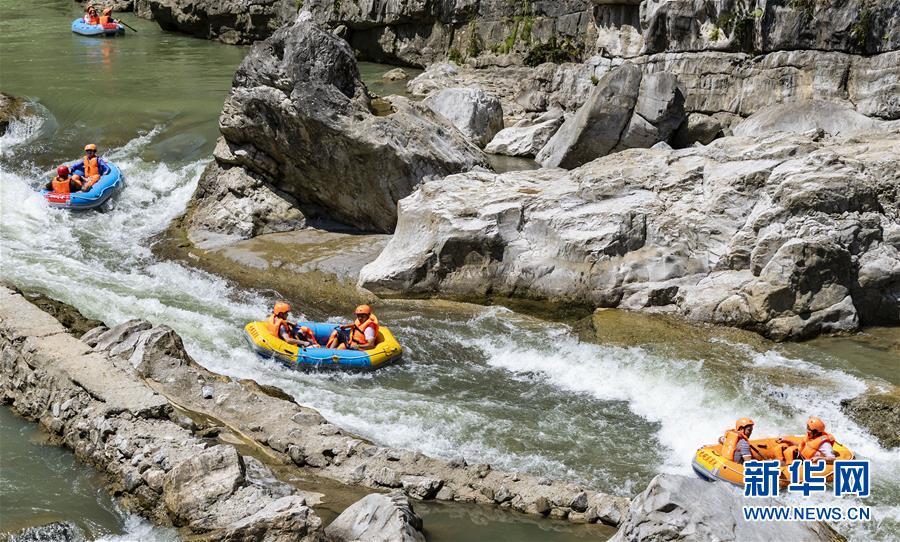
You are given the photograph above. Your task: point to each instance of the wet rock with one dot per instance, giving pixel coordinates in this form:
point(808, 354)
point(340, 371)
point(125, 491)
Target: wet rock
point(879, 413)
point(476, 114)
point(378, 518)
point(229, 21)
point(528, 136)
point(57, 531)
point(833, 118)
point(299, 119)
point(789, 235)
point(11, 108)
point(686, 508)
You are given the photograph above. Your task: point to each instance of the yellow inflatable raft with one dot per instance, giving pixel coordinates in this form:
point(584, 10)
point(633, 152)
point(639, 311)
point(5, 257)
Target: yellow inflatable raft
point(386, 351)
point(709, 464)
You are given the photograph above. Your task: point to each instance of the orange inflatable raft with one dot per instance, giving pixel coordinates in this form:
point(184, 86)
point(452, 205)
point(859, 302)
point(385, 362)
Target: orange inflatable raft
point(709, 464)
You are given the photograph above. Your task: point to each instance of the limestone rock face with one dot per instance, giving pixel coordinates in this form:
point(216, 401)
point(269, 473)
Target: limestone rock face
point(730, 25)
point(228, 21)
point(677, 507)
point(835, 118)
point(474, 112)
point(378, 518)
point(528, 136)
point(298, 133)
point(626, 110)
point(790, 235)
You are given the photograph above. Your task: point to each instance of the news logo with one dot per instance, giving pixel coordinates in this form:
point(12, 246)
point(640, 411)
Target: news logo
point(807, 478)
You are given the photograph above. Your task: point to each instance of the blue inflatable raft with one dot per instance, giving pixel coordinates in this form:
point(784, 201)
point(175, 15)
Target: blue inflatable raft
point(102, 190)
point(386, 351)
point(84, 29)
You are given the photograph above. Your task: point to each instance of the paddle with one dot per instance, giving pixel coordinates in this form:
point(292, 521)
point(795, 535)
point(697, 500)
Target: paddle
point(128, 26)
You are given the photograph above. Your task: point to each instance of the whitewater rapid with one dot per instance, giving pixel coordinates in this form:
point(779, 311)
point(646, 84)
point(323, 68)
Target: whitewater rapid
point(482, 382)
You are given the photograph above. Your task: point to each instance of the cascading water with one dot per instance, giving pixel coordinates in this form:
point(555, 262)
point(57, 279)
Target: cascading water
point(482, 382)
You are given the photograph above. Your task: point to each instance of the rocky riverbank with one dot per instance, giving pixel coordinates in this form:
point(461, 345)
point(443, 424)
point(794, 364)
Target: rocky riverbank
point(130, 401)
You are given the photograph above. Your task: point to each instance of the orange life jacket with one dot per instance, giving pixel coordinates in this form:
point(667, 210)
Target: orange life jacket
point(63, 186)
point(92, 168)
point(91, 19)
point(732, 438)
point(358, 333)
point(274, 324)
point(105, 20)
point(810, 447)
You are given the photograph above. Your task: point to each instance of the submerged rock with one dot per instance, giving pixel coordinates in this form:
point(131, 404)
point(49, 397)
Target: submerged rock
point(677, 507)
point(789, 236)
point(879, 413)
point(299, 132)
point(378, 518)
point(58, 531)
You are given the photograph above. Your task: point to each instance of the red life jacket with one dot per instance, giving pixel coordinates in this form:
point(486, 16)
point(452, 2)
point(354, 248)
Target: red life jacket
point(358, 333)
point(810, 447)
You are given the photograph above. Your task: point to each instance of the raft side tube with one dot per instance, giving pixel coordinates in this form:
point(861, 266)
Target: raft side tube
point(107, 186)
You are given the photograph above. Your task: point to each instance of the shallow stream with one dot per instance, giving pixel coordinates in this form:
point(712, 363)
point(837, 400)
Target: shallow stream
point(494, 385)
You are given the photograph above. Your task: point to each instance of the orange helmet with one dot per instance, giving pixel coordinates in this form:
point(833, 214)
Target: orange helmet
point(90, 147)
point(742, 423)
point(281, 307)
point(363, 309)
point(107, 11)
point(815, 424)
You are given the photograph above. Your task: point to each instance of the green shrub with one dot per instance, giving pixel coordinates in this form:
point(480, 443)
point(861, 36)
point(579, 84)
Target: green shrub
point(455, 56)
point(554, 52)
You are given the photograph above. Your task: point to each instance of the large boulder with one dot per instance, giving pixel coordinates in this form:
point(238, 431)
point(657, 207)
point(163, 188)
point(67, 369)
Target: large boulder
point(528, 136)
point(378, 518)
point(11, 108)
point(228, 21)
point(790, 236)
point(626, 110)
point(192, 487)
point(474, 112)
point(685, 508)
point(834, 118)
point(298, 124)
